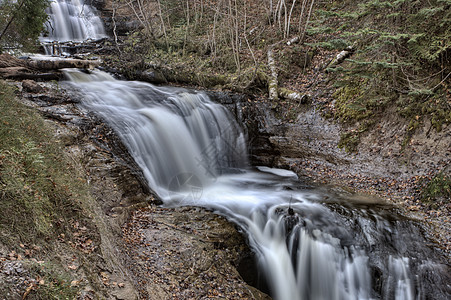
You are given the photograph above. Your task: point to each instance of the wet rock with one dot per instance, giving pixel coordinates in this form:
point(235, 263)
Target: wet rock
point(32, 86)
point(152, 76)
point(186, 253)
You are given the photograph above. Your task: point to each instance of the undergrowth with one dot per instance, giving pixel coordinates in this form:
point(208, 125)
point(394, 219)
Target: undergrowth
point(54, 283)
point(40, 194)
point(401, 59)
point(437, 191)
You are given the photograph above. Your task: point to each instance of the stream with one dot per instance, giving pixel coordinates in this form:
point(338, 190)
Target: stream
point(309, 242)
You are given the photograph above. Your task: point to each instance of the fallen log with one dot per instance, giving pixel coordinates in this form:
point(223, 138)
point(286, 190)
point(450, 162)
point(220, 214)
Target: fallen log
point(40, 68)
point(7, 61)
point(274, 91)
point(36, 63)
point(21, 73)
point(61, 63)
point(340, 57)
point(9, 72)
point(293, 96)
point(293, 40)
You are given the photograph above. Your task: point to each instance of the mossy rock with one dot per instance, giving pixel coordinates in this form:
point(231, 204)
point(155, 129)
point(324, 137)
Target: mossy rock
point(350, 104)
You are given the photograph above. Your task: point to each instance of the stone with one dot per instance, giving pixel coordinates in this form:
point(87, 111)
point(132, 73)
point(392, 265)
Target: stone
point(32, 86)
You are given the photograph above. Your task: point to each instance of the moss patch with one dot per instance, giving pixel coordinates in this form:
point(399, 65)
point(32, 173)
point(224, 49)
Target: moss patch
point(350, 105)
point(437, 191)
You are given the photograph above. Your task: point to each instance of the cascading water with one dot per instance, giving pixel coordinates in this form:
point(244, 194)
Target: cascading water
point(309, 244)
point(71, 20)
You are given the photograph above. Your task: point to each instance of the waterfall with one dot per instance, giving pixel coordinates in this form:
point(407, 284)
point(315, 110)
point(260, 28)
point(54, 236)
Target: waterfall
point(193, 152)
point(170, 132)
point(71, 20)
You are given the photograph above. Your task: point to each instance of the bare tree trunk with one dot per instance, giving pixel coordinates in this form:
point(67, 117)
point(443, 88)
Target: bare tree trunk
point(187, 15)
point(279, 12)
point(247, 41)
point(132, 6)
point(237, 37)
point(272, 81)
point(307, 20)
point(301, 16)
point(285, 15)
point(289, 18)
point(146, 17)
point(215, 19)
point(162, 24)
point(201, 11)
point(269, 12)
point(114, 6)
point(233, 30)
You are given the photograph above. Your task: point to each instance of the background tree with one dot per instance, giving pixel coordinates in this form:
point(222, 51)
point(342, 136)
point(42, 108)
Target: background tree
point(21, 23)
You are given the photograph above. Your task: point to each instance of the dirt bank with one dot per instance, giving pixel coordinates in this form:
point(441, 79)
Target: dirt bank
point(308, 144)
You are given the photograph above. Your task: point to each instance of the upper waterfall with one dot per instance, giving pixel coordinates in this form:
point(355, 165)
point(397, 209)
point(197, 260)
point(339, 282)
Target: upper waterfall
point(72, 20)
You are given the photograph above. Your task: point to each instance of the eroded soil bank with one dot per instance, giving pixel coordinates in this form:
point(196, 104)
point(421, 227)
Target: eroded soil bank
point(382, 168)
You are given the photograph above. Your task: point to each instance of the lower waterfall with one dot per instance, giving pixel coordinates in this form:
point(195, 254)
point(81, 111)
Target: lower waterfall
point(309, 243)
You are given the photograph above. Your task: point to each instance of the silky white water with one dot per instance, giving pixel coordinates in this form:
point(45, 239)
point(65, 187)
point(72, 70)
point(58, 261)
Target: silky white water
point(71, 20)
point(192, 152)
